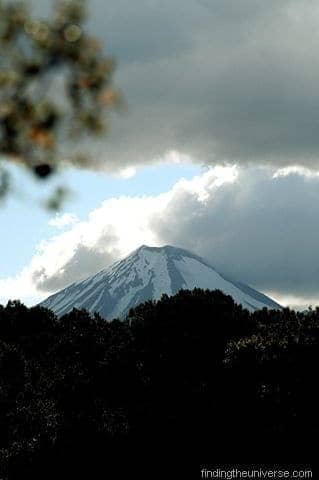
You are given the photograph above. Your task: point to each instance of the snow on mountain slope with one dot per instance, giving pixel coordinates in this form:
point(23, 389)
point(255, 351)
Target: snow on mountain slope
point(146, 274)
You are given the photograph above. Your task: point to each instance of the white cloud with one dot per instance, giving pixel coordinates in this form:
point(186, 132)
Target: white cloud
point(20, 287)
point(63, 220)
point(111, 231)
point(127, 173)
point(175, 157)
point(297, 302)
point(297, 169)
point(252, 225)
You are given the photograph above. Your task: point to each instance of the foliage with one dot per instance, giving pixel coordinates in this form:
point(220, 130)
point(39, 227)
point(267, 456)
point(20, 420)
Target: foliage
point(55, 84)
point(194, 371)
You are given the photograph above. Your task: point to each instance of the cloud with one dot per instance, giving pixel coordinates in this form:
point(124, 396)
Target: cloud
point(63, 220)
point(256, 225)
point(234, 81)
point(261, 229)
point(127, 173)
point(113, 230)
point(221, 81)
point(83, 262)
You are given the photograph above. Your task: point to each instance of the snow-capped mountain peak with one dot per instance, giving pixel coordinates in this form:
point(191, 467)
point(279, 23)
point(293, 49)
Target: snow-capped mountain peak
point(146, 274)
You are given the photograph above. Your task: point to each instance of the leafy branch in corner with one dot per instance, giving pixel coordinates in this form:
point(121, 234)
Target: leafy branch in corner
point(55, 85)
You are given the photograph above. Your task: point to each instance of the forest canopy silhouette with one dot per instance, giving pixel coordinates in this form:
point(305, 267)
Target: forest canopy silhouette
point(193, 370)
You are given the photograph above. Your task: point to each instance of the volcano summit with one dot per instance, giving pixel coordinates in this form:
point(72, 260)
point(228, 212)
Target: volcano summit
point(146, 274)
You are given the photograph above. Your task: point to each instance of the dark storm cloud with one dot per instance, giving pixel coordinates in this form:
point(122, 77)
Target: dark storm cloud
point(222, 80)
point(260, 230)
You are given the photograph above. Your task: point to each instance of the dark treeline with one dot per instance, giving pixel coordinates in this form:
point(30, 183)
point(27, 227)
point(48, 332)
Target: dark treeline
point(192, 379)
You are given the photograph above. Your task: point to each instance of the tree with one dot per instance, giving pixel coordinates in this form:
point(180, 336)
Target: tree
point(193, 370)
point(39, 62)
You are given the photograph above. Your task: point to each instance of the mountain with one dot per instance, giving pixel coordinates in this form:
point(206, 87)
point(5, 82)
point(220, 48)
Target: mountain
point(146, 274)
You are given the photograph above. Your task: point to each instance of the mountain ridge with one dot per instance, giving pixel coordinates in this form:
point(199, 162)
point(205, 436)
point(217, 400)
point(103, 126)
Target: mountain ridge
point(146, 274)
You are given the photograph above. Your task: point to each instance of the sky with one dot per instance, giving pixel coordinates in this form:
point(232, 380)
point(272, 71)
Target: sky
point(217, 152)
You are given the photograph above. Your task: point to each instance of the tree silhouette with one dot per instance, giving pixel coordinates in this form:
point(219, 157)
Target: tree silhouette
point(193, 373)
